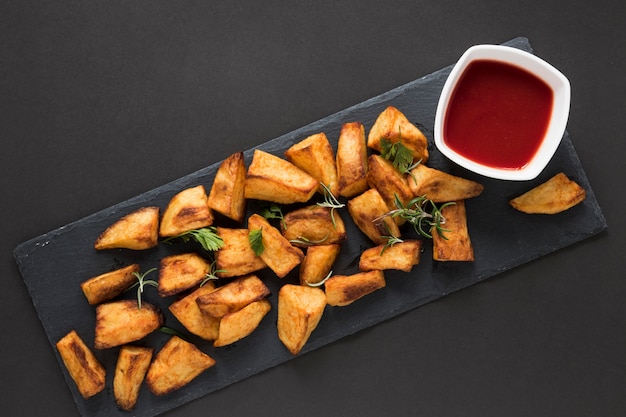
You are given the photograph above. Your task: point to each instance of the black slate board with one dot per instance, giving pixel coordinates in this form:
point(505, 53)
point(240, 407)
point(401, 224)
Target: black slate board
point(54, 264)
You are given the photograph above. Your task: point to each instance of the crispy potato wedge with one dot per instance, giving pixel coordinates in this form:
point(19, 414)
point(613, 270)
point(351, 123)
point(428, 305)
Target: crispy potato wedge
point(554, 196)
point(279, 255)
point(85, 369)
point(342, 290)
point(313, 225)
point(316, 157)
point(389, 183)
point(300, 309)
point(239, 324)
point(393, 126)
point(132, 364)
point(232, 296)
point(318, 262)
point(227, 192)
point(351, 160)
point(105, 287)
point(236, 258)
point(175, 365)
point(270, 178)
point(402, 256)
point(181, 272)
point(137, 230)
point(441, 187)
point(187, 210)
point(122, 322)
point(188, 313)
point(367, 210)
point(455, 244)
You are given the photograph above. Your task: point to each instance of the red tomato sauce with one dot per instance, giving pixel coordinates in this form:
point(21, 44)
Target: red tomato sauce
point(498, 114)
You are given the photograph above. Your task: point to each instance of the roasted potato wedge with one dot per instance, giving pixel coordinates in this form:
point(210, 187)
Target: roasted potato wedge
point(181, 272)
point(227, 192)
point(175, 365)
point(368, 213)
point(187, 210)
point(313, 225)
point(85, 369)
point(455, 243)
point(105, 287)
point(392, 125)
point(279, 255)
point(132, 364)
point(232, 296)
point(236, 258)
point(188, 313)
point(137, 230)
point(270, 178)
point(239, 324)
point(318, 262)
point(342, 290)
point(300, 309)
point(122, 322)
point(554, 196)
point(352, 160)
point(315, 156)
point(440, 186)
point(402, 256)
point(389, 183)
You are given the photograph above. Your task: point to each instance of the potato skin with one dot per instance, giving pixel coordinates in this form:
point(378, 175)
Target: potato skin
point(187, 210)
point(455, 244)
point(300, 309)
point(556, 195)
point(236, 258)
point(241, 323)
point(440, 186)
point(342, 290)
point(188, 313)
point(232, 296)
point(138, 230)
point(352, 160)
point(367, 210)
point(318, 262)
point(130, 371)
point(122, 322)
point(315, 224)
point(181, 272)
point(84, 368)
point(315, 156)
point(392, 125)
point(227, 192)
point(109, 285)
point(401, 256)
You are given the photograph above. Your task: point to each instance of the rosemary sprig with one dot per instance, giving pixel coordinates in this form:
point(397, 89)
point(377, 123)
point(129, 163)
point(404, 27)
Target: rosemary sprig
point(274, 212)
point(141, 283)
point(173, 332)
point(330, 201)
point(391, 240)
point(212, 274)
point(255, 237)
point(207, 237)
point(422, 213)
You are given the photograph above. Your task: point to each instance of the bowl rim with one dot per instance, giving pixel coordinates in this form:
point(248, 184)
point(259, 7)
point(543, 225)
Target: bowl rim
point(558, 120)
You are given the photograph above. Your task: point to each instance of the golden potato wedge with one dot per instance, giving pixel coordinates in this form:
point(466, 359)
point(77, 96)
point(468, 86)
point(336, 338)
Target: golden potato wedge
point(236, 258)
point(188, 313)
point(109, 285)
point(132, 364)
point(137, 230)
point(181, 272)
point(85, 369)
point(300, 309)
point(175, 365)
point(455, 244)
point(227, 192)
point(239, 324)
point(389, 183)
point(392, 125)
point(440, 186)
point(313, 225)
point(316, 157)
point(270, 178)
point(232, 296)
point(556, 195)
point(351, 160)
point(187, 210)
point(318, 262)
point(279, 255)
point(122, 322)
point(342, 290)
point(367, 210)
point(402, 256)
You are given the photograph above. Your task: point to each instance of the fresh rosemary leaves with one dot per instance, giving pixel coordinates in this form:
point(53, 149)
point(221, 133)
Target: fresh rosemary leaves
point(422, 213)
point(330, 201)
point(141, 283)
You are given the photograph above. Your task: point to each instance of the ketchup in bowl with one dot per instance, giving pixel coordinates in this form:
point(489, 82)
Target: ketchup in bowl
point(498, 114)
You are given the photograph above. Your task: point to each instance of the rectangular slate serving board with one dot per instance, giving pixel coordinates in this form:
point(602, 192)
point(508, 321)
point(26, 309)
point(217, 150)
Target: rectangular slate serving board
point(54, 264)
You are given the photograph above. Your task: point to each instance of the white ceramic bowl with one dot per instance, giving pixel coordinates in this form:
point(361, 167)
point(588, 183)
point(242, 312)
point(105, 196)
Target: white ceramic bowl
point(557, 120)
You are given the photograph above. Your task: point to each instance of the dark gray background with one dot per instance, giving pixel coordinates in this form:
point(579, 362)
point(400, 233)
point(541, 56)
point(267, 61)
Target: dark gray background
point(101, 102)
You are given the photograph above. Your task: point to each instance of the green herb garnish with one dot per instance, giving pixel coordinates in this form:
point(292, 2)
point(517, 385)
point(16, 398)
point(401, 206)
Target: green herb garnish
point(400, 156)
point(422, 213)
point(141, 282)
point(330, 201)
point(207, 237)
point(212, 274)
point(256, 241)
point(274, 212)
